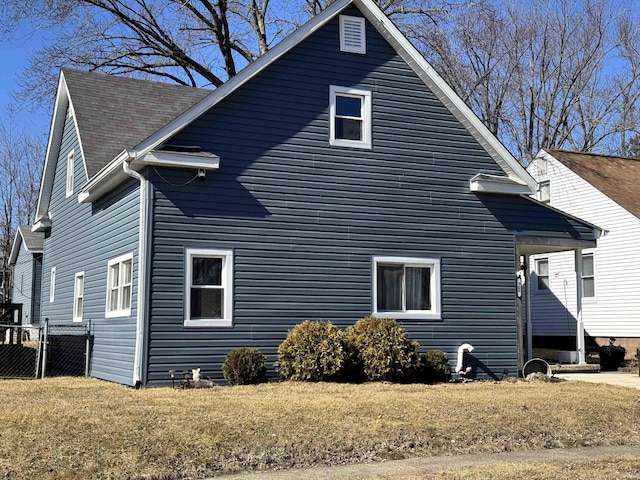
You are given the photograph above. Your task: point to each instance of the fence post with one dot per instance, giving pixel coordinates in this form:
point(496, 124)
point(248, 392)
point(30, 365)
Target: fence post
point(39, 353)
point(87, 352)
point(45, 342)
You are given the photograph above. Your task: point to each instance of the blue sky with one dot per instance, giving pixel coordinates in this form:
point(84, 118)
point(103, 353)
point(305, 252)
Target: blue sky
point(14, 57)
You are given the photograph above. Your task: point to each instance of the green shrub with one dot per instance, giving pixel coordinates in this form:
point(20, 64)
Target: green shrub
point(244, 366)
point(611, 356)
point(383, 350)
point(313, 352)
point(435, 366)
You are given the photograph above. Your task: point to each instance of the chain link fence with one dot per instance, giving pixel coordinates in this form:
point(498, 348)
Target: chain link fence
point(45, 350)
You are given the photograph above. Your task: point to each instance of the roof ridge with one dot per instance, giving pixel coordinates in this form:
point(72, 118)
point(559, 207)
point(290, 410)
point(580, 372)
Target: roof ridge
point(591, 154)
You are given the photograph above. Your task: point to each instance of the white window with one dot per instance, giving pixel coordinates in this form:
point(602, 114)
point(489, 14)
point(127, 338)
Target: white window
point(52, 285)
point(588, 276)
point(544, 192)
point(208, 288)
point(78, 297)
point(352, 34)
point(406, 288)
point(542, 272)
point(350, 117)
point(119, 280)
point(70, 173)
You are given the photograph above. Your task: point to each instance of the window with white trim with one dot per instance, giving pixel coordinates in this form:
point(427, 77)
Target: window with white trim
point(405, 287)
point(208, 288)
point(352, 34)
point(588, 276)
point(52, 285)
point(350, 117)
point(70, 162)
point(78, 297)
point(542, 272)
point(544, 192)
point(119, 281)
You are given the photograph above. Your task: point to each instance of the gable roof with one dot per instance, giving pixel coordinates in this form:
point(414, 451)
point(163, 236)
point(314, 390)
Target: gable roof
point(113, 113)
point(110, 114)
point(617, 177)
point(32, 241)
point(102, 132)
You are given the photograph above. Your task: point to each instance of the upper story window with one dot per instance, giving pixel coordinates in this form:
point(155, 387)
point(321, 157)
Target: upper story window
point(209, 288)
point(119, 281)
point(542, 271)
point(588, 276)
point(352, 34)
point(406, 288)
point(70, 162)
point(544, 192)
point(78, 297)
point(350, 117)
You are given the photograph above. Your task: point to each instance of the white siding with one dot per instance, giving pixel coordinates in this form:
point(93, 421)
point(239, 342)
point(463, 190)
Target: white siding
point(615, 310)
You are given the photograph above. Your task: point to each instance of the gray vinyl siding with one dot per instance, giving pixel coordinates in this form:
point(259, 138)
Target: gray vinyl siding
point(23, 274)
point(304, 220)
point(84, 237)
point(36, 288)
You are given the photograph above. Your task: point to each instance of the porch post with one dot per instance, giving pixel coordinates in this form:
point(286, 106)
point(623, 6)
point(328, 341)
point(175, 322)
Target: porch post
point(527, 310)
point(580, 347)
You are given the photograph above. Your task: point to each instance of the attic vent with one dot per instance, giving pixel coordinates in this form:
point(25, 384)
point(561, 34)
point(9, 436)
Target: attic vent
point(352, 34)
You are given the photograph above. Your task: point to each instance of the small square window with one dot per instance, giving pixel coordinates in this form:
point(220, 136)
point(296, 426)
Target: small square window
point(208, 288)
point(350, 117)
point(119, 281)
point(542, 271)
point(406, 287)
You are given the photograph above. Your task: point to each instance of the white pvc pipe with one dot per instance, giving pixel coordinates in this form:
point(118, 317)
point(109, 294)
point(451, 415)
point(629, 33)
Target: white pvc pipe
point(465, 346)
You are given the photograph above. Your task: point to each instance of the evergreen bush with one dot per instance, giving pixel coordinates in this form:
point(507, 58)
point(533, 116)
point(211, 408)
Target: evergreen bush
point(244, 366)
point(611, 356)
point(313, 352)
point(383, 350)
point(436, 368)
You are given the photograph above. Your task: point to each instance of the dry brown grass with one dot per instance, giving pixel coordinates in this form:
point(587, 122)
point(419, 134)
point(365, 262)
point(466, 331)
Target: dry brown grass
point(619, 468)
point(80, 428)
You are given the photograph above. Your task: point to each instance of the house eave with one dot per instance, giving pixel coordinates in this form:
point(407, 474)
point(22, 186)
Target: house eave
point(498, 185)
point(42, 224)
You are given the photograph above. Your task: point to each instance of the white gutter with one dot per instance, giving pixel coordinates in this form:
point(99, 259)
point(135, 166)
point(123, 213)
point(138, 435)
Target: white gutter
point(142, 261)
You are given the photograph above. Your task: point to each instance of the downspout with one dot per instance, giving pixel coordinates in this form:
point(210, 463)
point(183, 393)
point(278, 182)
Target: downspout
point(142, 261)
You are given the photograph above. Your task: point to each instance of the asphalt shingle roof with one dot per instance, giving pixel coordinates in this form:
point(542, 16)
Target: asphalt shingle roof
point(617, 177)
point(32, 240)
point(114, 113)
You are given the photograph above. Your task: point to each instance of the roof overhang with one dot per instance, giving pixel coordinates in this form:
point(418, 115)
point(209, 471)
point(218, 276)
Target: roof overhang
point(18, 241)
point(114, 174)
point(483, 183)
point(529, 245)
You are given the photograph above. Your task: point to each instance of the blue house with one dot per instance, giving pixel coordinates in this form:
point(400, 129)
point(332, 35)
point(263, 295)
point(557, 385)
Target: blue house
point(336, 177)
point(26, 262)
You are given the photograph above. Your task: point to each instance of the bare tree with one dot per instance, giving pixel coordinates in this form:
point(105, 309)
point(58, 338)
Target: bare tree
point(21, 159)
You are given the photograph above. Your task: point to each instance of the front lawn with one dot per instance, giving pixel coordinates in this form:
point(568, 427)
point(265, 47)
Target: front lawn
point(68, 428)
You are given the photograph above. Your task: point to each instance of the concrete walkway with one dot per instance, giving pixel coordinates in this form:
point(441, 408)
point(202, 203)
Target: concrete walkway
point(412, 466)
point(621, 379)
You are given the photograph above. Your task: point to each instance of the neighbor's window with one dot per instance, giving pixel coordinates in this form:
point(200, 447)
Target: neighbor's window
point(208, 288)
point(542, 271)
point(78, 297)
point(350, 112)
point(52, 285)
point(70, 173)
point(544, 192)
point(119, 281)
point(406, 287)
point(588, 276)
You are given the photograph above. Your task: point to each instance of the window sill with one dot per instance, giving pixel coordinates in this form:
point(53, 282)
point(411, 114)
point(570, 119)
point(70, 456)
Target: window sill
point(336, 142)
point(118, 313)
point(220, 322)
point(408, 315)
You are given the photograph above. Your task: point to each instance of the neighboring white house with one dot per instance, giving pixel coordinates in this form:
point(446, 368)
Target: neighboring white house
point(605, 191)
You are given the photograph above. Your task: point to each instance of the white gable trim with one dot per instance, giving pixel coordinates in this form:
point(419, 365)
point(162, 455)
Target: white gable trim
point(15, 248)
point(63, 102)
point(482, 183)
